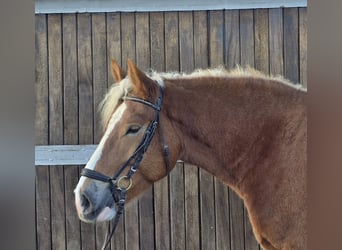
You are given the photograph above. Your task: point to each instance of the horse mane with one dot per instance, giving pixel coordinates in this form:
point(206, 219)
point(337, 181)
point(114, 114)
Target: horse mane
point(117, 91)
point(220, 71)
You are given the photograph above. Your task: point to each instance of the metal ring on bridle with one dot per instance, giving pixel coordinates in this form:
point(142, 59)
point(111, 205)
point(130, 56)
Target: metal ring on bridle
point(121, 185)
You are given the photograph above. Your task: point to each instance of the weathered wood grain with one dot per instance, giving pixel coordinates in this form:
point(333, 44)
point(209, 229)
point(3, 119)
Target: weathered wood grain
point(303, 45)
point(56, 129)
point(276, 41)
point(201, 47)
point(177, 224)
point(216, 38)
point(261, 55)
point(70, 127)
point(171, 42)
point(291, 46)
point(43, 216)
point(247, 38)
point(232, 38)
point(113, 30)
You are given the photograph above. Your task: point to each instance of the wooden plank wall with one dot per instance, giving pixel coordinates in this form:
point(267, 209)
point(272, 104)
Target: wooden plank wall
point(189, 209)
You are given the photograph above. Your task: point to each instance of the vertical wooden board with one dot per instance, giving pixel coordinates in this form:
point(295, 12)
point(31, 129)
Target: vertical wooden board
point(85, 78)
point(158, 27)
point(43, 216)
point(55, 79)
point(303, 36)
point(99, 51)
point(177, 224)
point(236, 212)
point(128, 52)
point(186, 39)
point(56, 129)
point(261, 40)
point(276, 41)
point(99, 62)
point(291, 47)
point(247, 38)
point(113, 41)
point(142, 37)
point(236, 230)
point(206, 180)
point(247, 59)
point(70, 79)
point(41, 81)
point(72, 222)
point(216, 38)
point(127, 38)
point(250, 241)
point(157, 40)
point(143, 53)
point(192, 213)
point(201, 47)
point(70, 124)
point(216, 44)
point(85, 105)
point(207, 211)
point(171, 41)
point(232, 38)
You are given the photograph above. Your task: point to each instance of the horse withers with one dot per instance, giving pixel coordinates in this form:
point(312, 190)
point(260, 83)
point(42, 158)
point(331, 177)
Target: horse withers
point(245, 128)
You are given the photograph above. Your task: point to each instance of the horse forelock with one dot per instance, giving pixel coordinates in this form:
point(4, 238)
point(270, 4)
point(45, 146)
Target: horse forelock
point(112, 99)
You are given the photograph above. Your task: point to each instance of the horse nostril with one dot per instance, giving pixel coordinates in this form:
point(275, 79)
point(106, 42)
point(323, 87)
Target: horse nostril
point(85, 203)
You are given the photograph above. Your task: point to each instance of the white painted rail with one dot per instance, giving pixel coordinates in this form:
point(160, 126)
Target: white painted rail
point(55, 155)
point(79, 6)
point(63, 154)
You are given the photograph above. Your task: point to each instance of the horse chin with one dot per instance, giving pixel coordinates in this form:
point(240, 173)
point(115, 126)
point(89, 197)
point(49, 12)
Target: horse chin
point(106, 214)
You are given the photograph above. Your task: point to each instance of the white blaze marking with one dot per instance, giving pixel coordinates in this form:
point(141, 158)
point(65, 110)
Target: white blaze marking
point(98, 152)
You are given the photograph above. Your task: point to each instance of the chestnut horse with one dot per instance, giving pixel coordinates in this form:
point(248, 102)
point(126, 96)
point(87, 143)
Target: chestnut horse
point(245, 128)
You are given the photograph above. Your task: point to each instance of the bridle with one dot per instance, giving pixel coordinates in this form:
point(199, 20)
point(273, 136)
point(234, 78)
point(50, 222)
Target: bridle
point(120, 185)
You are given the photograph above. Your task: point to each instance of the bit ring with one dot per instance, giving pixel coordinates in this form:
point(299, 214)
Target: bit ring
point(122, 183)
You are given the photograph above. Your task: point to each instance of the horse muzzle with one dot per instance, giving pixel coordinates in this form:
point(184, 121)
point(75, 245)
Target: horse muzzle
point(94, 202)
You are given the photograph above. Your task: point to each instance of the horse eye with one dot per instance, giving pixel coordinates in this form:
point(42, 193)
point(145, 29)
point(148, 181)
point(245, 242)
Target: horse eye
point(133, 129)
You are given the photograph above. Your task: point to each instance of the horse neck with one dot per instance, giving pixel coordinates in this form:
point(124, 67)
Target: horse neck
point(227, 124)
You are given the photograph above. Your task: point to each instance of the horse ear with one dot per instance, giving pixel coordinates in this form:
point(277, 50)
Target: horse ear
point(142, 84)
point(117, 73)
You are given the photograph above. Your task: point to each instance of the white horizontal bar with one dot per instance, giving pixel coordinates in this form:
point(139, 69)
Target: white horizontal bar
point(64, 154)
point(81, 6)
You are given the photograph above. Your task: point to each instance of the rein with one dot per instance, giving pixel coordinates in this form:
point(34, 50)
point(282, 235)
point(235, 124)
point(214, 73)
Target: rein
point(120, 185)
